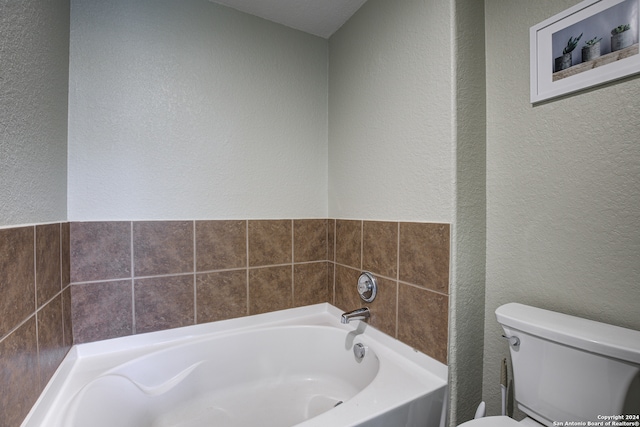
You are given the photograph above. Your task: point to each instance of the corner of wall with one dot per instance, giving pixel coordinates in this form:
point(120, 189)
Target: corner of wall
point(466, 334)
point(35, 326)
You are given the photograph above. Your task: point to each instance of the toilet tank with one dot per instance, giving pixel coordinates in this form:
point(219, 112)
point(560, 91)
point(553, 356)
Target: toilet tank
point(567, 368)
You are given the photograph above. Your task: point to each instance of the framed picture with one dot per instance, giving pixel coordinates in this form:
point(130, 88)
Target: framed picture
point(592, 43)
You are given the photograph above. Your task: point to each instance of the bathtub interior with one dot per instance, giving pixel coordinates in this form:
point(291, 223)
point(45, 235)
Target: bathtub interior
point(269, 377)
point(290, 368)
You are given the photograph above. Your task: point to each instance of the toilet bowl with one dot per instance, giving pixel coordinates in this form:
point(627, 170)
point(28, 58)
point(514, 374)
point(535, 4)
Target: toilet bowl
point(566, 368)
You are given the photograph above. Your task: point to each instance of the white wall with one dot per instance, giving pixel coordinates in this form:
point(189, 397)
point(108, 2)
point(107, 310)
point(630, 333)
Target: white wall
point(191, 110)
point(390, 113)
point(34, 54)
point(563, 190)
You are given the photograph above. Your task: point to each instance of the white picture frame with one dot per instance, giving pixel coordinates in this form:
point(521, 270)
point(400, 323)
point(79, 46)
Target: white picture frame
point(592, 19)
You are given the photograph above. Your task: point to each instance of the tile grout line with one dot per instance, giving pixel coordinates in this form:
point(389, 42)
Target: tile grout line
point(335, 251)
point(414, 285)
point(398, 281)
point(37, 309)
point(293, 293)
point(35, 298)
point(49, 301)
point(361, 244)
point(327, 256)
point(60, 278)
point(18, 326)
point(246, 227)
point(133, 287)
point(35, 269)
point(222, 270)
point(195, 288)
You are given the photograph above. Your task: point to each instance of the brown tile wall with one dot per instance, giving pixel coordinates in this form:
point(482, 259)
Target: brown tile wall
point(143, 276)
point(82, 282)
point(411, 264)
point(35, 313)
point(135, 277)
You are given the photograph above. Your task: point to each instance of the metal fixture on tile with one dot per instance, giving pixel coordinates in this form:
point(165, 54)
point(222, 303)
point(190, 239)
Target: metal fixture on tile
point(359, 314)
point(367, 286)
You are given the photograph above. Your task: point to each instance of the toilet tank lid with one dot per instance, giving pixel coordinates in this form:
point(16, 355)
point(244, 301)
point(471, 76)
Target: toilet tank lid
point(601, 338)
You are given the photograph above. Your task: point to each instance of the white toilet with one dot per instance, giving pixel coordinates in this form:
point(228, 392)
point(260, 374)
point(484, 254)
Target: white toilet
point(568, 369)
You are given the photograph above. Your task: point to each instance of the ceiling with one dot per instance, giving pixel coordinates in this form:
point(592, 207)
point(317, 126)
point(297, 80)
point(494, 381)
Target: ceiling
point(318, 17)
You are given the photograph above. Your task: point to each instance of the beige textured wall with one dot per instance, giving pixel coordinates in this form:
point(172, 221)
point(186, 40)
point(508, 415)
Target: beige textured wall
point(189, 109)
point(407, 141)
point(390, 151)
point(34, 71)
point(563, 190)
point(466, 333)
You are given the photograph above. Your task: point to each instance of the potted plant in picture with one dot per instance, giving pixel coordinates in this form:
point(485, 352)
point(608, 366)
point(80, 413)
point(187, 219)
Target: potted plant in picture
point(621, 37)
point(591, 50)
point(564, 61)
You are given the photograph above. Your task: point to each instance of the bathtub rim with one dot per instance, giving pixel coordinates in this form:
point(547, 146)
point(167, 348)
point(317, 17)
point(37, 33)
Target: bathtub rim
point(119, 350)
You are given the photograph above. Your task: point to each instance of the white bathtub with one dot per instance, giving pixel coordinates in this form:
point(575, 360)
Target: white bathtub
point(288, 368)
